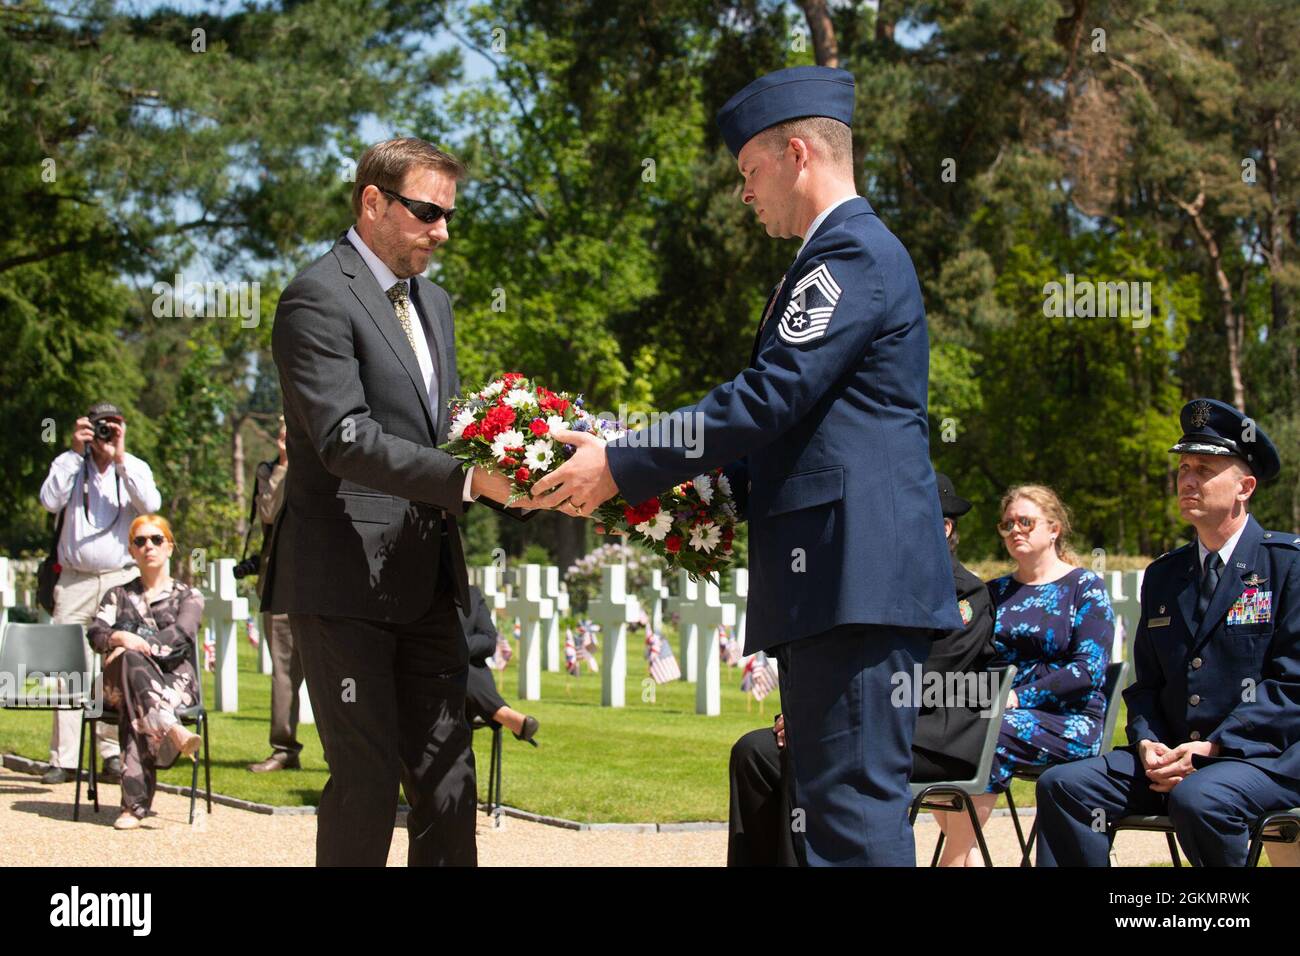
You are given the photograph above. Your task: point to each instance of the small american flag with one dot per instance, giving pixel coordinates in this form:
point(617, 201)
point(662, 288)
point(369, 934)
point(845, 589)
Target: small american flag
point(210, 651)
point(501, 657)
point(728, 646)
point(587, 631)
point(663, 666)
point(571, 654)
point(762, 675)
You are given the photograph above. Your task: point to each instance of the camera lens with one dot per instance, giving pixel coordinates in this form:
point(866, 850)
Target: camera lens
point(103, 432)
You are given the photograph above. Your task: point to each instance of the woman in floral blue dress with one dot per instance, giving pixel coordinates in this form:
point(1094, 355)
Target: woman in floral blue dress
point(1054, 622)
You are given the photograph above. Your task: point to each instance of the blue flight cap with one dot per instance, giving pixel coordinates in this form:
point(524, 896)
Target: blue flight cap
point(1212, 427)
point(785, 95)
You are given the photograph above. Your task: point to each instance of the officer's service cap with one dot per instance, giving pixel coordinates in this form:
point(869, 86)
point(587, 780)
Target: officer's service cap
point(1212, 427)
point(786, 95)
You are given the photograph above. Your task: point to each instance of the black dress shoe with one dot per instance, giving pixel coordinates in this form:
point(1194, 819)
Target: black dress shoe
point(56, 775)
point(530, 729)
point(277, 761)
point(111, 772)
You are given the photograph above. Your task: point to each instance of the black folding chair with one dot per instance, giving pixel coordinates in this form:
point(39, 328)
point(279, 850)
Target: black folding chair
point(1282, 826)
point(492, 807)
point(195, 714)
point(950, 796)
point(1115, 677)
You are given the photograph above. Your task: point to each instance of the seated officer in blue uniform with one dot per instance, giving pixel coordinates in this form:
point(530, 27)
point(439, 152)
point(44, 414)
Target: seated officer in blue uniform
point(1214, 710)
point(825, 439)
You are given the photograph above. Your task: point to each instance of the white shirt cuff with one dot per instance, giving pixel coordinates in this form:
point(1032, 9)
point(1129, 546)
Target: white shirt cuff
point(469, 479)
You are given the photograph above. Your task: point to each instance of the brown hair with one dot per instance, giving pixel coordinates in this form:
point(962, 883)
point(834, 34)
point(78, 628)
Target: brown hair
point(830, 134)
point(1053, 508)
point(385, 165)
point(159, 520)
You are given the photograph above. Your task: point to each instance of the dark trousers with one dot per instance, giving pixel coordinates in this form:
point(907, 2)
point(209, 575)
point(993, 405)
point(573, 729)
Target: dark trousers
point(389, 702)
point(760, 823)
point(850, 747)
point(286, 679)
point(1211, 809)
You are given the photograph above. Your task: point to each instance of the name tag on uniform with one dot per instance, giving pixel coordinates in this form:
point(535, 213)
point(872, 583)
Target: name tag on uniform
point(1253, 607)
point(1158, 622)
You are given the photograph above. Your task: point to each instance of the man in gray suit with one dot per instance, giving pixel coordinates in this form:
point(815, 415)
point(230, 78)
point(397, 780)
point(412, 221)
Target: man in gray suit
point(366, 557)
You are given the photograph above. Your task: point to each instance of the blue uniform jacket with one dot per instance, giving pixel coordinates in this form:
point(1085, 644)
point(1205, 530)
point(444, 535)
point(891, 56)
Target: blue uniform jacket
point(1236, 680)
point(826, 442)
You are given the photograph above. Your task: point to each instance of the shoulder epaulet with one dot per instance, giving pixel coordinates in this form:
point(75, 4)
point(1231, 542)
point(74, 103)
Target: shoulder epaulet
point(1171, 554)
point(1283, 539)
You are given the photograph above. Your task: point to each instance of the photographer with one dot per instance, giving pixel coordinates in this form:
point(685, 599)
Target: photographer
point(99, 490)
point(286, 668)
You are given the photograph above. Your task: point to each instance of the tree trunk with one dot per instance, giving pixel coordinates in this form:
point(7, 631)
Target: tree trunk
point(1233, 324)
point(825, 49)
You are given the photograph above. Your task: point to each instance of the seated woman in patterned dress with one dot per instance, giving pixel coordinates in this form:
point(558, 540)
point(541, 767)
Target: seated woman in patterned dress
point(1054, 622)
point(146, 630)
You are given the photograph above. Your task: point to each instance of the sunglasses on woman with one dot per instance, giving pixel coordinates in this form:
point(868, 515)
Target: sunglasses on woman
point(424, 211)
point(1008, 527)
point(140, 539)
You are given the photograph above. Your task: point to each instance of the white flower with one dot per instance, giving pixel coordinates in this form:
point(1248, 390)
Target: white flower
point(493, 390)
point(539, 455)
point(724, 485)
point(705, 536)
point(459, 422)
point(507, 439)
point(703, 487)
point(554, 422)
point(519, 397)
point(656, 528)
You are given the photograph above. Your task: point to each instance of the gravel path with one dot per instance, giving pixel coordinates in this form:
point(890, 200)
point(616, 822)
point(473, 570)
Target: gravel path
point(36, 829)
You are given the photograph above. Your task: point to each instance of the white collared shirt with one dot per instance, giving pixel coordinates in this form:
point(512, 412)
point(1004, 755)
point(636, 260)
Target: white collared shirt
point(423, 354)
point(821, 218)
point(1226, 551)
point(98, 543)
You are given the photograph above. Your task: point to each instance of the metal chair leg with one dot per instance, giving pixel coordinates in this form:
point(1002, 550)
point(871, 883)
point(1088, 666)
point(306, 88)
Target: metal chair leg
point(194, 785)
point(1015, 822)
point(499, 748)
point(93, 791)
point(81, 756)
point(979, 832)
point(207, 762)
point(1173, 849)
point(938, 849)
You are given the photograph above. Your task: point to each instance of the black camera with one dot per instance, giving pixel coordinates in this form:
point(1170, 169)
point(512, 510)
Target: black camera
point(249, 566)
point(104, 431)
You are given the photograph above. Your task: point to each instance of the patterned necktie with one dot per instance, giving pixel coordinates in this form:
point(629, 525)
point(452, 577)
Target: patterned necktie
point(400, 296)
point(1209, 582)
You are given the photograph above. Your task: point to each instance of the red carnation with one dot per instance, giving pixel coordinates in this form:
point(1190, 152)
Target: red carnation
point(538, 427)
point(470, 430)
point(508, 462)
point(673, 543)
point(522, 474)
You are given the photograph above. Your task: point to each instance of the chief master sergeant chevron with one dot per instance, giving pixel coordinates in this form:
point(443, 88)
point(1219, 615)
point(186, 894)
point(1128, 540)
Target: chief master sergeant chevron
point(1214, 708)
point(825, 441)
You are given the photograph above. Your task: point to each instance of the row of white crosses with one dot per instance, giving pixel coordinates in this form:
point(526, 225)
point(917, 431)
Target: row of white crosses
point(225, 615)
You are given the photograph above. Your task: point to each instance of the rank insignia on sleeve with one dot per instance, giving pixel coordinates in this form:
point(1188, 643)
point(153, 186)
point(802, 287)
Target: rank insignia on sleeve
point(967, 612)
point(812, 303)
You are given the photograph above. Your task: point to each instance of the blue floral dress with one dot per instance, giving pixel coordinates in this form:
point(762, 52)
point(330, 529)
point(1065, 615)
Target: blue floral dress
point(1059, 637)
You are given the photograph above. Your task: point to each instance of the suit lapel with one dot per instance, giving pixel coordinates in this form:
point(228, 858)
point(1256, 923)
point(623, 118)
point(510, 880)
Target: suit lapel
point(1232, 581)
point(1188, 583)
point(375, 303)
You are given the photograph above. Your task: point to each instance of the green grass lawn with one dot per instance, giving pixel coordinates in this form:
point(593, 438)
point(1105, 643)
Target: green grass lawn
point(647, 762)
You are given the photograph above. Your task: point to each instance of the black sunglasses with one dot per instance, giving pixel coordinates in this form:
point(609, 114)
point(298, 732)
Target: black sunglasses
point(424, 211)
point(140, 539)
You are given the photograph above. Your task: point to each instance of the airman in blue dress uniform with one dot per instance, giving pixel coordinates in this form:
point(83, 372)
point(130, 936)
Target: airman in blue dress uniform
point(1214, 709)
point(825, 440)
